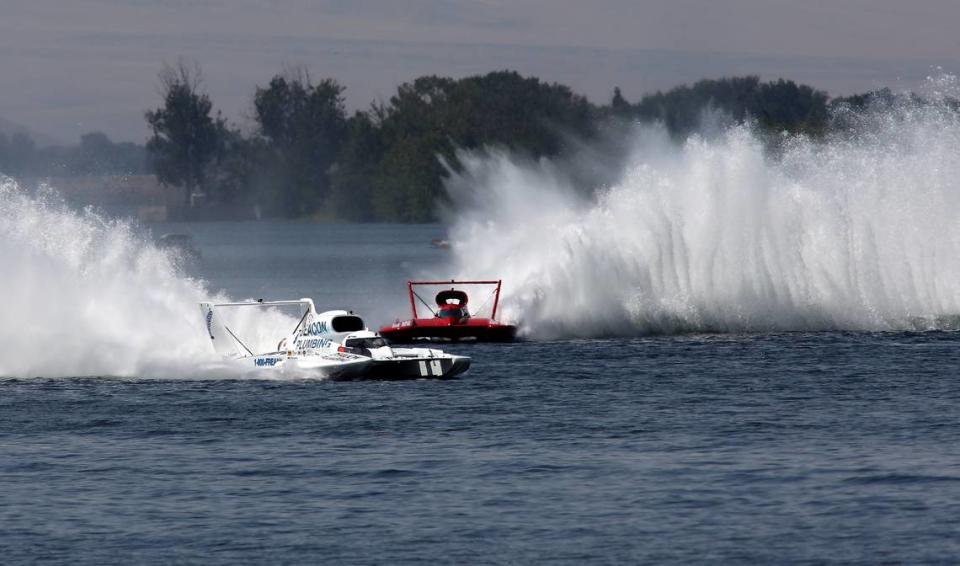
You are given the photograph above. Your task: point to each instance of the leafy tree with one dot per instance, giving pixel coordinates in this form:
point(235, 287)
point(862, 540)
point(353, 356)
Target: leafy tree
point(428, 119)
point(618, 104)
point(304, 125)
point(522, 113)
point(882, 99)
point(238, 176)
point(410, 181)
point(777, 106)
point(681, 108)
point(352, 180)
point(787, 106)
point(186, 138)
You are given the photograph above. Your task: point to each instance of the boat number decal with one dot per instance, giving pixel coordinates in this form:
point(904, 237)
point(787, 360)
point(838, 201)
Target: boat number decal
point(435, 366)
point(423, 369)
point(261, 362)
point(316, 328)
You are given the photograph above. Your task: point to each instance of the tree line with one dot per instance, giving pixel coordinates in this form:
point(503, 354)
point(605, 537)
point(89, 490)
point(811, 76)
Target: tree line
point(307, 156)
point(95, 155)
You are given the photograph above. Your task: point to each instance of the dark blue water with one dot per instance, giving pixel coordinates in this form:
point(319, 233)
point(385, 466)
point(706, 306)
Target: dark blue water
point(784, 448)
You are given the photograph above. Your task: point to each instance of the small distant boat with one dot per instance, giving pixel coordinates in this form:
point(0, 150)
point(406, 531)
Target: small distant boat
point(333, 344)
point(452, 319)
point(441, 243)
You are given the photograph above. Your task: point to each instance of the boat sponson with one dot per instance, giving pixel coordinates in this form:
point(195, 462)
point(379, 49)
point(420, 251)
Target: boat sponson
point(427, 329)
point(399, 369)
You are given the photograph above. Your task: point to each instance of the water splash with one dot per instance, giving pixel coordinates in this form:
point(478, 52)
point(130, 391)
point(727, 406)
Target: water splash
point(87, 296)
point(856, 232)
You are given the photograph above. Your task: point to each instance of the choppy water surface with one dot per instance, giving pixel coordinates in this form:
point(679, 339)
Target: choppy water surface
point(790, 447)
point(777, 448)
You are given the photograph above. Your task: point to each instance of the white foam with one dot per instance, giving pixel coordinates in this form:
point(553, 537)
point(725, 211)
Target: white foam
point(86, 296)
point(858, 232)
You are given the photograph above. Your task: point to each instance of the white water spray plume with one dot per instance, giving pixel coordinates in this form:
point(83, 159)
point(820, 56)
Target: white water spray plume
point(716, 234)
point(858, 231)
point(86, 296)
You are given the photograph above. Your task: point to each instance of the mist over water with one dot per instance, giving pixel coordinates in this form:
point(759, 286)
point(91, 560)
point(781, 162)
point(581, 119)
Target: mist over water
point(719, 233)
point(86, 296)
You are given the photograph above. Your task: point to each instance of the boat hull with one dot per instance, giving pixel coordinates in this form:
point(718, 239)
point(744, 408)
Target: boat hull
point(334, 345)
point(337, 367)
point(400, 369)
point(439, 330)
point(391, 369)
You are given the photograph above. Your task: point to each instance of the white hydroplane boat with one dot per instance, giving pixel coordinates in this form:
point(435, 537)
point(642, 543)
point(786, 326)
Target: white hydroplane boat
point(333, 344)
point(389, 362)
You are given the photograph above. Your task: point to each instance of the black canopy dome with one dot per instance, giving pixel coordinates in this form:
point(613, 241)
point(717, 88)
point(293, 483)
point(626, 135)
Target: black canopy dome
point(444, 296)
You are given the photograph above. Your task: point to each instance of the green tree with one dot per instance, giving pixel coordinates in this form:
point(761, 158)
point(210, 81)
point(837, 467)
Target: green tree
point(410, 181)
point(304, 125)
point(681, 108)
point(787, 106)
point(777, 106)
point(524, 114)
point(238, 176)
point(186, 139)
point(618, 104)
point(352, 180)
point(428, 120)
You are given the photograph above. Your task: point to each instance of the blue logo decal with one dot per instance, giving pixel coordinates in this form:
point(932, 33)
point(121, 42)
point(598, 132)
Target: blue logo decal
point(260, 362)
point(313, 343)
point(316, 329)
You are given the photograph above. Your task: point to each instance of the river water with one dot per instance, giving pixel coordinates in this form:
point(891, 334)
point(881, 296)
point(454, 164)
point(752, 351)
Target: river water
point(824, 447)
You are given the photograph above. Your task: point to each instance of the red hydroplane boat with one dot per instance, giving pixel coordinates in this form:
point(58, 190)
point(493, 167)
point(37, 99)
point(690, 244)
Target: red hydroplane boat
point(452, 319)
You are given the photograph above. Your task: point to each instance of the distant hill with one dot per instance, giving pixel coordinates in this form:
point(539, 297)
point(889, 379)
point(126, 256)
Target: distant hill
point(9, 128)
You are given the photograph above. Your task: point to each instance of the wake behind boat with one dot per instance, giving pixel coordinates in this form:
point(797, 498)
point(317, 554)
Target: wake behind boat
point(333, 344)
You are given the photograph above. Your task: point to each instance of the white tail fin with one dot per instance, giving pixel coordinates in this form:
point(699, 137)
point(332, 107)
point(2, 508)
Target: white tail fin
point(223, 343)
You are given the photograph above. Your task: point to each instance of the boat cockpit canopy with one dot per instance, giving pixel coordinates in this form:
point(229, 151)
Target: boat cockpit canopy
point(444, 297)
point(453, 312)
point(347, 323)
point(368, 343)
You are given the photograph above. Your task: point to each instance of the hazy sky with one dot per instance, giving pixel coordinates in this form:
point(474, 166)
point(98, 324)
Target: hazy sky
point(72, 66)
